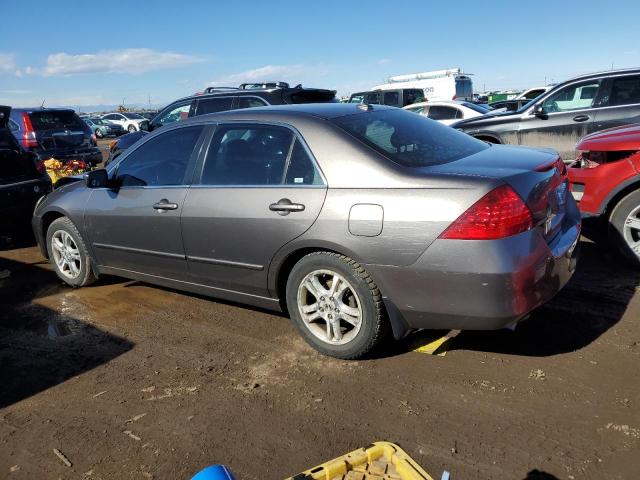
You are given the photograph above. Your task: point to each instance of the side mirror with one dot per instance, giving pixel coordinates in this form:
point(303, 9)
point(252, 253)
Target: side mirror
point(539, 110)
point(96, 178)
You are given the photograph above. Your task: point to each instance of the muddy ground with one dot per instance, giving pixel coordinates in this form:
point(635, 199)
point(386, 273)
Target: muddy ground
point(131, 381)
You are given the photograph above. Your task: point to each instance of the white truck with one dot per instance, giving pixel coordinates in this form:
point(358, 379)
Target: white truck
point(449, 84)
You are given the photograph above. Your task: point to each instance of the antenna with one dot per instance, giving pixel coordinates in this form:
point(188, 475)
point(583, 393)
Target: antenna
point(42, 104)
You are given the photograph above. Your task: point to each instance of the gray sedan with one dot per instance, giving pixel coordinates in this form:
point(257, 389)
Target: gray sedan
point(358, 220)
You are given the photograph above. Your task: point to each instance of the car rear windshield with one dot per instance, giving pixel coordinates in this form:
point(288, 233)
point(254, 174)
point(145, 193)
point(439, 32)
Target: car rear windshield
point(56, 120)
point(409, 139)
point(133, 116)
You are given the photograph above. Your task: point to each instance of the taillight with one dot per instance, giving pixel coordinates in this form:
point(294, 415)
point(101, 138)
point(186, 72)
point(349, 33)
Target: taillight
point(113, 145)
point(499, 214)
point(94, 139)
point(558, 165)
point(29, 136)
point(454, 97)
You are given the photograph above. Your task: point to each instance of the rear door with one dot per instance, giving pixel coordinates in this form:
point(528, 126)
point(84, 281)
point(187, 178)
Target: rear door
point(569, 115)
point(620, 102)
point(259, 188)
point(136, 226)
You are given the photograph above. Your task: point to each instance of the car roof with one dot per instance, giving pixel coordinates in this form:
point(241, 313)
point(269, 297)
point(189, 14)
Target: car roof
point(603, 73)
point(323, 111)
point(42, 109)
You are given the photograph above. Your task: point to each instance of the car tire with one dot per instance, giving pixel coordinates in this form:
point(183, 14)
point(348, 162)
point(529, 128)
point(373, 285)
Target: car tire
point(99, 133)
point(350, 322)
point(622, 235)
point(69, 248)
point(132, 128)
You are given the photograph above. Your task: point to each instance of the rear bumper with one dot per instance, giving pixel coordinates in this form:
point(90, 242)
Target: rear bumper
point(479, 285)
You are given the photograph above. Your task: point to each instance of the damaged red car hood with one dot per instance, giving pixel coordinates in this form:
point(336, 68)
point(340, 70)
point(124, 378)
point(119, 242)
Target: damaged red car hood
point(626, 137)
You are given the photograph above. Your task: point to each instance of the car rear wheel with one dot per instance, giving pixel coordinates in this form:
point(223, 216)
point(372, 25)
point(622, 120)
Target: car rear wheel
point(624, 227)
point(99, 133)
point(132, 128)
point(68, 253)
point(336, 306)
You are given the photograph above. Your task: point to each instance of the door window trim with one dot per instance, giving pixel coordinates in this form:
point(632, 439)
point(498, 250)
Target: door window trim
point(199, 170)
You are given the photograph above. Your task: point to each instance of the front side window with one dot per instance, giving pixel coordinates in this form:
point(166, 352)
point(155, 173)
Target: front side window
point(162, 161)
point(572, 97)
point(255, 155)
point(250, 102)
point(173, 114)
point(409, 140)
point(625, 91)
point(439, 112)
point(213, 105)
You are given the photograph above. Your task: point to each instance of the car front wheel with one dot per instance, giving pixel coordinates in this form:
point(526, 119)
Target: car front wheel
point(624, 227)
point(336, 306)
point(132, 128)
point(68, 253)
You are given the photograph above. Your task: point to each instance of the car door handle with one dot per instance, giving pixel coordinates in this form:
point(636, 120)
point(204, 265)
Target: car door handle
point(164, 205)
point(581, 118)
point(285, 207)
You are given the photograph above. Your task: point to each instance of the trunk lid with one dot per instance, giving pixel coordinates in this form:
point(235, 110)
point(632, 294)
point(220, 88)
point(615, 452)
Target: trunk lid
point(537, 175)
point(59, 129)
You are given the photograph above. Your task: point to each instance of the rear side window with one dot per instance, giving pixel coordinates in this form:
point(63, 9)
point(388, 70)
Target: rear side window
point(300, 168)
point(250, 102)
point(410, 140)
point(625, 91)
point(439, 112)
point(174, 113)
point(56, 120)
point(412, 95)
point(163, 160)
point(213, 105)
point(247, 155)
point(252, 155)
point(391, 98)
point(313, 96)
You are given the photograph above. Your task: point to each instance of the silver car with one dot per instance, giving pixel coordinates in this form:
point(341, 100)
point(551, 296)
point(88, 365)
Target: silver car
point(358, 220)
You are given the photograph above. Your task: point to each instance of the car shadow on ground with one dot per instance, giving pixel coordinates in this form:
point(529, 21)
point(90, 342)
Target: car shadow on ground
point(41, 347)
point(593, 301)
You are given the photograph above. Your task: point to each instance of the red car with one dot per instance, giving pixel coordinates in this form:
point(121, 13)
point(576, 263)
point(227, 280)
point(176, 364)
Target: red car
point(605, 181)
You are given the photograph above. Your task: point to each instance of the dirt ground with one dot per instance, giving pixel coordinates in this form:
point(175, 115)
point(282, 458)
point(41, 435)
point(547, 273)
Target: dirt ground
point(131, 381)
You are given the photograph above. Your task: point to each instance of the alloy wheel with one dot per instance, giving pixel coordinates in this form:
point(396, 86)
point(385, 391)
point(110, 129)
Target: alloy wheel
point(66, 254)
point(631, 230)
point(330, 307)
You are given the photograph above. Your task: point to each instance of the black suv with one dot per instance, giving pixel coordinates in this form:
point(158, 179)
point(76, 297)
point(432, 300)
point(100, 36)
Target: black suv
point(54, 133)
point(566, 113)
point(218, 99)
point(21, 184)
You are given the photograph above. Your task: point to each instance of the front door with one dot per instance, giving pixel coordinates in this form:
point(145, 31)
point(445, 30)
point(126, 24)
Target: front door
point(567, 115)
point(135, 226)
point(259, 188)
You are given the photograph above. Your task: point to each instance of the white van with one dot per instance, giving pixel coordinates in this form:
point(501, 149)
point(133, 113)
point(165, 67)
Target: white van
point(448, 84)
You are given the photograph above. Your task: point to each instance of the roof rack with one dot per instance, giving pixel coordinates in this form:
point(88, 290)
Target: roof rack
point(218, 89)
point(262, 85)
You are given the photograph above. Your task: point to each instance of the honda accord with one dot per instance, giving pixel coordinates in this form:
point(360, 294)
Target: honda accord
point(357, 220)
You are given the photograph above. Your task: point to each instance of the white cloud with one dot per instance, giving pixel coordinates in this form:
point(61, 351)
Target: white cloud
point(384, 61)
point(7, 63)
point(631, 52)
point(131, 61)
point(287, 73)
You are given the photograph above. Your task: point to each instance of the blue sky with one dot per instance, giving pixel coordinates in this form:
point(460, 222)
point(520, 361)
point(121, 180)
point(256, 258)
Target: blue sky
point(91, 53)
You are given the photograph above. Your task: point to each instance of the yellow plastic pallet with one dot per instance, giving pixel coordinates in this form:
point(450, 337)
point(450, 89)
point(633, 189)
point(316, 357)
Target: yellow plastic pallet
point(378, 461)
